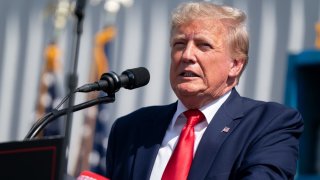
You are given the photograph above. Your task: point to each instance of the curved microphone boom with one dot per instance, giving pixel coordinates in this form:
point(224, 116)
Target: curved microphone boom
point(110, 82)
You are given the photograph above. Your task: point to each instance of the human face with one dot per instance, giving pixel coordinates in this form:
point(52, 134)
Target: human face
point(201, 65)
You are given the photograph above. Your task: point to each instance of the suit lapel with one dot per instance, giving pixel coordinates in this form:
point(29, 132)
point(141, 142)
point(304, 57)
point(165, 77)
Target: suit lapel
point(217, 131)
point(152, 135)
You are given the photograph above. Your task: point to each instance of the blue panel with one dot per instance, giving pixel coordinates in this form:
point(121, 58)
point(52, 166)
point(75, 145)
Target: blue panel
point(309, 57)
point(302, 93)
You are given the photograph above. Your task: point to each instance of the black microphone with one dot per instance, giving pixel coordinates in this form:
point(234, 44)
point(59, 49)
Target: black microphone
point(110, 82)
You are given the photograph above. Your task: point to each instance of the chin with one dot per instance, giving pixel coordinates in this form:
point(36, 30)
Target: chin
point(188, 88)
point(187, 92)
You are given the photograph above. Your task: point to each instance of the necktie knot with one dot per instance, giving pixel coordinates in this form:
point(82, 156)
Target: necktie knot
point(194, 116)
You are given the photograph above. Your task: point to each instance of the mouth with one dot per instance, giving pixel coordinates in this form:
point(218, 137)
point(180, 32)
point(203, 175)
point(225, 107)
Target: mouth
point(189, 74)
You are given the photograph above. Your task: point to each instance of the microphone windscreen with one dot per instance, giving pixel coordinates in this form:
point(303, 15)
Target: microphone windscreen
point(88, 175)
point(140, 77)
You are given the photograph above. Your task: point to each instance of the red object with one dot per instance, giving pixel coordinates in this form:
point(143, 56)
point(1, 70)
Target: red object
point(88, 175)
point(180, 161)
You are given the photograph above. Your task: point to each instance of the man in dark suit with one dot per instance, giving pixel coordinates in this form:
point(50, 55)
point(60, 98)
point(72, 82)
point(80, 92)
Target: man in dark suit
point(233, 137)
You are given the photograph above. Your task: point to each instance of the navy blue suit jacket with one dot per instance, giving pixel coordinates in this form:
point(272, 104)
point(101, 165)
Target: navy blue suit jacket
point(262, 142)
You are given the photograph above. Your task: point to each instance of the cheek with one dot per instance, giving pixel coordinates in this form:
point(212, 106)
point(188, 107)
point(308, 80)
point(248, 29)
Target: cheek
point(173, 69)
point(175, 56)
point(175, 60)
point(216, 72)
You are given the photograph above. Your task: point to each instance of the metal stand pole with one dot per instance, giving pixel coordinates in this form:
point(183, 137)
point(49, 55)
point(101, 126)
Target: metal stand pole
point(72, 78)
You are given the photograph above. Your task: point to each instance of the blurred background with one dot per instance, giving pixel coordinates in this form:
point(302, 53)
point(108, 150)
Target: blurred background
point(36, 51)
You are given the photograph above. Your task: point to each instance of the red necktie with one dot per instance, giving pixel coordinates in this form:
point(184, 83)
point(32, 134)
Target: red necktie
point(180, 161)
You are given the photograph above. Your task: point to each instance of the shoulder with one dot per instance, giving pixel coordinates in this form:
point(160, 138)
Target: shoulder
point(149, 111)
point(145, 115)
point(267, 108)
point(271, 116)
point(237, 106)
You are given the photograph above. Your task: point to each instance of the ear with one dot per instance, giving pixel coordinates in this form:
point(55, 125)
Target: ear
point(236, 67)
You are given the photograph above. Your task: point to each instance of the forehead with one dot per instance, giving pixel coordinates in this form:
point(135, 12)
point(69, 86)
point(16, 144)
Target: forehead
point(199, 27)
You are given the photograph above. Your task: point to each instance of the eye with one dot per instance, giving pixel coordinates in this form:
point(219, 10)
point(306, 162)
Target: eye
point(179, 44)
point(205, 46)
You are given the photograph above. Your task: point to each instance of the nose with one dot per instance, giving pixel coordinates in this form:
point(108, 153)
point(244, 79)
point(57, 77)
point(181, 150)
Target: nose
point(188, 54)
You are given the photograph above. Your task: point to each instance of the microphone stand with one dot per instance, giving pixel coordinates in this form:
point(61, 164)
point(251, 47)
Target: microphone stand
point(72, 80)
point(39, 125)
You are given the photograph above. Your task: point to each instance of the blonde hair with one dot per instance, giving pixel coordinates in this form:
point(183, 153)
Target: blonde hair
point(233, 20)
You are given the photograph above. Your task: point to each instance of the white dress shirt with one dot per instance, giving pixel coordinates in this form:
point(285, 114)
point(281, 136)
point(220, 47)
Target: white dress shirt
point(173, 132)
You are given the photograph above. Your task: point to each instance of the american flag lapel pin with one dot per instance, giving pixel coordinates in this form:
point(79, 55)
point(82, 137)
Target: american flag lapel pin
point(225, 129)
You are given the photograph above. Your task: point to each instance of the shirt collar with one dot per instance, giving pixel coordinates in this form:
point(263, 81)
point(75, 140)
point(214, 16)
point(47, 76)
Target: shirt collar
point(208, 110)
